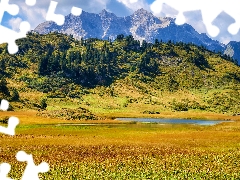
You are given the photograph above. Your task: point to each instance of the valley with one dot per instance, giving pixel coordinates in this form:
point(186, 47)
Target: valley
point(56, 82)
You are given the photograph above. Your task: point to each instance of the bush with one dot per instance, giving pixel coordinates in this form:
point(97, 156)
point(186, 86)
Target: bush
point(15, 95)
point(4, 120)
point(70, 114)
point(43, 103)
point(3, 87)
point(180, 106)
point(150, 112)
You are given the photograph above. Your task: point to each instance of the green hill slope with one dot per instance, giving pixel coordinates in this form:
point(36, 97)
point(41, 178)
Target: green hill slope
point(118, 77)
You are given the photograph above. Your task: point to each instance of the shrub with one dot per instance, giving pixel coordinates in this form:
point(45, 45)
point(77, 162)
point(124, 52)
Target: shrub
point(43, 103)
point(180, 106)
point(70, 114)
point(151, 112)
point(15, 95)
point(4, 120)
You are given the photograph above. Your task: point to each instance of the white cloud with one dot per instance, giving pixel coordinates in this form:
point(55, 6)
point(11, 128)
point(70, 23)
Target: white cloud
point(14, 23)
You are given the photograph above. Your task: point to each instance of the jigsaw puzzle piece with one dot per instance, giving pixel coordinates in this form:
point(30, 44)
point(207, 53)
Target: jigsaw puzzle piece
point(76, 11)
point(234, 28)
point(59, 18)
point(231, 7)
point(180, 6)
point(213, 8)
point(156, 6)
point(133, 1)
point(30, 2)
point(4, 105)
point(4, 170)
point(12, 123)
point(12, 9)
point(31, 172)
point(10, 36)
point(210, 12)
point(51, 16)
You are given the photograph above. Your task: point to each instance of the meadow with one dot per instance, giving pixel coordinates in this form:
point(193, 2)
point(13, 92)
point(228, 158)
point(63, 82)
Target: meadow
point(67, 93)
point(109, 149)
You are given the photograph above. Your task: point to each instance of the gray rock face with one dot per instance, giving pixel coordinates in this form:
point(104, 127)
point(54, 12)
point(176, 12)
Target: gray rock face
point(233, 50)
point(142, 25)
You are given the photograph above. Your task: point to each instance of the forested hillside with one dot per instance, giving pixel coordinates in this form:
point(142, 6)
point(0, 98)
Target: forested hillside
point(118, 76)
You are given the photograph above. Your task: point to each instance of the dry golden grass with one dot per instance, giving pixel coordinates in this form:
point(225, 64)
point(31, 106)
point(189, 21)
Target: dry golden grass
point(109, 149)
point(128, 151)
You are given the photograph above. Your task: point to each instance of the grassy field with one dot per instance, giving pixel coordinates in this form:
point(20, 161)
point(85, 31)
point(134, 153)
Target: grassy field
point(109, 149)
point(54, 76)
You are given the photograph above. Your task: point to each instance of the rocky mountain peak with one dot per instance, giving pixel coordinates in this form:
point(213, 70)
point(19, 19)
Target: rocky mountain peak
point(142, 12)
point(142, 25)
point(105, 13)
point(233, 50)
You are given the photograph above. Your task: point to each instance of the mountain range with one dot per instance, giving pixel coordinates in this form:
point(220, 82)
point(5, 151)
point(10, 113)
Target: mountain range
point(142, 25)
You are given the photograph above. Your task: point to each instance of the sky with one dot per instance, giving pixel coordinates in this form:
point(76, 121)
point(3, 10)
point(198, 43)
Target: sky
point(37, 13)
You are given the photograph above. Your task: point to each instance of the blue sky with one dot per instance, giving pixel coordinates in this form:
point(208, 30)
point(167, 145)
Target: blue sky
point(36, 14)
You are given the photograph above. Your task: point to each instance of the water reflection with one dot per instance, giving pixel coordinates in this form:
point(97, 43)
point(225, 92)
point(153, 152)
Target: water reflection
point(173, 121)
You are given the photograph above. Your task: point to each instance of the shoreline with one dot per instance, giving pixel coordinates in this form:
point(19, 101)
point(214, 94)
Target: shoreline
point(30, 117)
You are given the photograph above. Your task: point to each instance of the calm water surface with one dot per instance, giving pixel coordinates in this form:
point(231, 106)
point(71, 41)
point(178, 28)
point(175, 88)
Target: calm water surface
point(173, 121)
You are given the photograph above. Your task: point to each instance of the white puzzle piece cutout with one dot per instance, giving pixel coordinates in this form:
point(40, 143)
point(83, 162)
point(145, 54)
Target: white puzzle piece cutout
point(8, 35)
point(31, 172)
point(4, 170)
point(210, 10)
point(30, 2)
point(133, 1)
point(76, 11)
point(12, 121)
point(4, 105)
point(12, 9)
point(10, 129)
point(51, 16)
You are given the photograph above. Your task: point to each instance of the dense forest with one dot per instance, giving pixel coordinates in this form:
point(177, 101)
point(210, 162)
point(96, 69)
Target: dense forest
point(60, 66)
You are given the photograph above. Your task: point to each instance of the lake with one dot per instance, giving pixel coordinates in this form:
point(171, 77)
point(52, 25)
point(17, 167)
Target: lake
point(174, 121)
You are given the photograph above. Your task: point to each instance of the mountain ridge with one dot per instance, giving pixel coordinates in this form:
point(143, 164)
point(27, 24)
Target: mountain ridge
point(142, 25)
